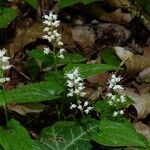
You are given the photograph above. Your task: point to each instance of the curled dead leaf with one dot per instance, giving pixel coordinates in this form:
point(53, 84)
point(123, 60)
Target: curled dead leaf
point(141, 102)
point(142, 129)
point(24, 109)
point(134, 63)
point(144, 75)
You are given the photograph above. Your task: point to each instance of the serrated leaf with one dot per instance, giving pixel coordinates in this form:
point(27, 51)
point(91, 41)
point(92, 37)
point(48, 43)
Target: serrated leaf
point(65, 136)
point(33, 3)
point(35, 92)
point(118, 134)
point(87, 70)
point(15, 137)
point(66, 3)
point(7, 15)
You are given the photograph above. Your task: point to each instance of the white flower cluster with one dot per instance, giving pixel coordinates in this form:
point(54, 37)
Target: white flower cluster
point(113, 83)
point(4, 64)
point(115, 100)
point(75, 83)
point(116, 113)
point(52, 35)
point(83, 108)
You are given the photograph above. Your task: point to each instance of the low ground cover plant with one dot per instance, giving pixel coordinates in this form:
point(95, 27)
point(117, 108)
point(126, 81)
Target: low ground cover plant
point(79, 123)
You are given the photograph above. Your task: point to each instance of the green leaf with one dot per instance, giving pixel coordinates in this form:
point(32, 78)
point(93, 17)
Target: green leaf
point(145, 4)
point(118, 134)
point(15, 137)
point(35, 92)
point(71, 58)
point(7, 15)
point(33, 3)
point(87, 70)
point(32, 68)
point(65, 136)
point(109, 57)
point(104, 108)
point(38, 54)
point(68, 58)
point(66, 3)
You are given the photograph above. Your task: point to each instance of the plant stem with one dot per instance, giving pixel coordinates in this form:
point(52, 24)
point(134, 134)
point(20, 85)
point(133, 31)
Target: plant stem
point(4, 106)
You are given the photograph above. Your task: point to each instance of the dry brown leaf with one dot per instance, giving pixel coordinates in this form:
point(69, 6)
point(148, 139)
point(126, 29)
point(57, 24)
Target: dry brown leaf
point(144, 75)
point(84, 36)
point(24, 109)
point(134, 63)
point(142, 129)
point(141, 102)
point(25, 37)
point(146, 52)
point(119, 3)
point(115, 30)
point(117, 16)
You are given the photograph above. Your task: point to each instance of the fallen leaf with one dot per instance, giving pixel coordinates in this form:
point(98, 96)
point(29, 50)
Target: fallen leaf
point(142, 129)
point(141, 102)
point(24, 109)
point(134, 63)
point(83, 36)
point(24, 37)
point(144, 75)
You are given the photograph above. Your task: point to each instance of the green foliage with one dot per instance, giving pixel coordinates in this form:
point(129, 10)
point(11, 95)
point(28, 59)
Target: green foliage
point(103, 108)
point(145, 4)
point(33, 3)
point(48, 59)
point(109, 57)
point(106, 110)
point(66, 3)
point(15, 137)
point(114, 133)
point(7, 15)
point(32, 68)
point(87, 70)
point(66, 136)
point(71, 58)
point(48, 90)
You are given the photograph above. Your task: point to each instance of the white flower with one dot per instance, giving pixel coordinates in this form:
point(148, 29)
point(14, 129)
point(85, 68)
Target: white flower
point(60, 43)
point(89, 108)
point(115, 114)
point(2, 80)
point(73, 106)
point(121, 112)
point(110, 103)
point(80, 107)
point(61, 56)
point(4, 60)
point(87, 111)
point(46, 50)
point(4, 64)
point(52, 34)
point(82, 94)
point(118, 87)
point(86, 103)
point(122, 99)
point(75, 83)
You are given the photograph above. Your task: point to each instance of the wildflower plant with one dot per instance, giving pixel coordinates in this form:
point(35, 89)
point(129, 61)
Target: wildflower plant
point(51, 23)
point(71, 75)
point(76, 87)
point(114, 98)
point(4, 65)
